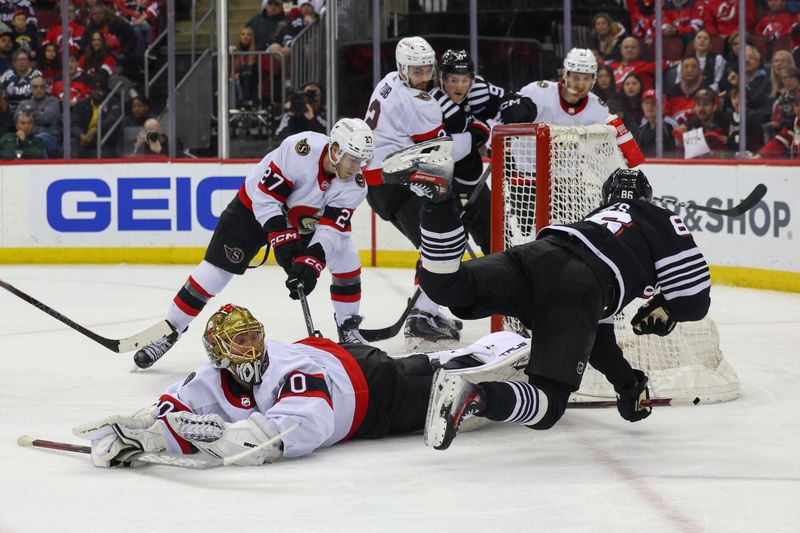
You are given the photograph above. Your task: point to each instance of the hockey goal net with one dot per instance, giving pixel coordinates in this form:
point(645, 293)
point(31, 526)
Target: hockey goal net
point(543, 174)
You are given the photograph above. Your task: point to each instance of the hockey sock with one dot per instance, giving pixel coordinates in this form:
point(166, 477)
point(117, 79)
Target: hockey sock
point(515, 402)
point(443, 238)
point(206, 281)
point(346, 294)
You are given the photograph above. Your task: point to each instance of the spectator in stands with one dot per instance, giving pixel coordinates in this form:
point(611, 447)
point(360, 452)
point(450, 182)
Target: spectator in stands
point(120, 40)
point(605, 88)
point(266, 24)
point(782, 115)
point(680, 97)
point(46, 113)
point(787, 142)
point(642, 19)
point(9, 7)
point(304, 111)
point(6, 116)
point(755, 119)
point(708, 118)
point(22, 144)
point(796, 42)
point(49, 63)
point(25, 36)
point(78, 86)
point(245, 67)
point(134, 123)
point(142, 15)
point(646, 132)
point(86, 117)
point(722, 17)
point(781, 60)
point(756, 79)
point(681, 19)
point(711, 63)
point(631, 64)
point(630, 99)
point(608, 35)
point(776, 23)
point(17, 80)
point(84, 13)
point(75, 31)
point(152, 141)
point(297, 19)
point(6, 50)
point(96, 59)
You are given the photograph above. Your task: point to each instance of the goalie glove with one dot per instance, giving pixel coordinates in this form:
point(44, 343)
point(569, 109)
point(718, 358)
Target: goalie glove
point(211, 434)
point(653, 318)
point(629, 399)
point(116, 438)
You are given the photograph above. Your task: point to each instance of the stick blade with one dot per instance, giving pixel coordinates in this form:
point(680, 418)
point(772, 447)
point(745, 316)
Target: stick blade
point(753, 198)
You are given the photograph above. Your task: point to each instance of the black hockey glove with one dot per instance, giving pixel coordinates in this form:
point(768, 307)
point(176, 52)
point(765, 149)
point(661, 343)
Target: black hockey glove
point(516, 109)
point(629, 399)
point(285, 242)
point(479, 133)
point(306, 269)
point(653, 318)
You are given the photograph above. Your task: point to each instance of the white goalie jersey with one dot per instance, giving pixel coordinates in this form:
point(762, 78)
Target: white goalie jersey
point(314, 382)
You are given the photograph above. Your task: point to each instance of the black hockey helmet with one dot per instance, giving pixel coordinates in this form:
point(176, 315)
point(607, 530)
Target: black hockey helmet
point(627, 184)
point(456, 62)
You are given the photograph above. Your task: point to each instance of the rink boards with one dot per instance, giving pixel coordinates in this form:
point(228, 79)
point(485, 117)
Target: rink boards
point(160, 213)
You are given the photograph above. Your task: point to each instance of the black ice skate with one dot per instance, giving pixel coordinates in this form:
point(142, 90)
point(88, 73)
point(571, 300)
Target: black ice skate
point(348, 331)
point(432, 328)
point(425, 168)
point(154, 351)
point(453, 400)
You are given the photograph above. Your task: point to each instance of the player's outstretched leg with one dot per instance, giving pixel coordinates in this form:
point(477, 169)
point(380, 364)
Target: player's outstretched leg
point(453, 400)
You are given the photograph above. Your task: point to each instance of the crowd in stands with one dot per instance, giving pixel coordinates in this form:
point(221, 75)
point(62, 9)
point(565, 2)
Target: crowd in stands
point(107, 43)
point(701, 75)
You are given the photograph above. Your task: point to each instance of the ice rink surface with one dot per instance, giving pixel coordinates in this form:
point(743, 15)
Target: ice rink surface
point(725, 468)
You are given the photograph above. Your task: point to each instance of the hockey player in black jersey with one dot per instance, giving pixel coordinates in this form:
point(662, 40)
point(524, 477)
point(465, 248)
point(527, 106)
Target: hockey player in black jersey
point(457, 81)
point(565, 287)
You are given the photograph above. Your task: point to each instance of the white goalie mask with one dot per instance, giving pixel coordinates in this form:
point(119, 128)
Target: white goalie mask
point(413, 52)
point(234, 340)
point(580, 60)
point(352, 136)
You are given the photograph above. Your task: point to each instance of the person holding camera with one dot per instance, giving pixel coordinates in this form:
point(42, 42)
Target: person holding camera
point(152, 141)
point(22, 144)
point(303, 112)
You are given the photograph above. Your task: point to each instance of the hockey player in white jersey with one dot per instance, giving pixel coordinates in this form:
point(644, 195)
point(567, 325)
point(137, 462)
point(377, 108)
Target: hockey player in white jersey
point(569, 102)
point(300, 200)
point(254, 390)
point(402, 113)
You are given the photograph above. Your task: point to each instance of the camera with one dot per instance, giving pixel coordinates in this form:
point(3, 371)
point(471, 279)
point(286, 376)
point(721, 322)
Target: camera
point(297, 104)
point(153, 136)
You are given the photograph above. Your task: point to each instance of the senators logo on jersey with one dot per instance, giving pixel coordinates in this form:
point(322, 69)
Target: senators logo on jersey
point(422, 95)
point(302, 147)
point(360, 181)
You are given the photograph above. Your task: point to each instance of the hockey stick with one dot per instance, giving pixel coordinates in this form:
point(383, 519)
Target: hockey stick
point(745, 205)
point(652, 402)
point(128, 344)
point(167, 459)
point(372, 335)
point(301, 292)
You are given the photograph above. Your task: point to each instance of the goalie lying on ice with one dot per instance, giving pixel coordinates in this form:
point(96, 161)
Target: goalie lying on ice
point(255, 389)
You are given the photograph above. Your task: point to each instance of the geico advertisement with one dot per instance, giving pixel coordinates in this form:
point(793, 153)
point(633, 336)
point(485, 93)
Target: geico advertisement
point(133, 205)
point(763, 237)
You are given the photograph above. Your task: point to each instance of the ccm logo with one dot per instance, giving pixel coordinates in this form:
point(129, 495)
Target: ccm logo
point(283, 237)
point(313, 263)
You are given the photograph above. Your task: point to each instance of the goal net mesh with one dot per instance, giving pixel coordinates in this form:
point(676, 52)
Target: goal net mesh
point(544, 174)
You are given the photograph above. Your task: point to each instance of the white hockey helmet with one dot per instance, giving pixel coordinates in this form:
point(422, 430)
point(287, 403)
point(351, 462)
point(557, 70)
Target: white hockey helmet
point(413, 52)
point(245, 361)
point(353, 136)
point(580, 60)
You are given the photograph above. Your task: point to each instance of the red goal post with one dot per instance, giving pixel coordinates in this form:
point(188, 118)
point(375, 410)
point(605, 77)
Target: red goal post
point(543, 174)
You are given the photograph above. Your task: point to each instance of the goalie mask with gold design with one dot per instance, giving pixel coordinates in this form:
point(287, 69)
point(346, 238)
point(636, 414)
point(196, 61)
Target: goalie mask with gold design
point(234, 340)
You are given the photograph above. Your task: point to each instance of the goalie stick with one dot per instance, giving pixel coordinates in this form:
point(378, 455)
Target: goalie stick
point(372, 335)
point(196, 461)
point(128, 344)
point(745, 205)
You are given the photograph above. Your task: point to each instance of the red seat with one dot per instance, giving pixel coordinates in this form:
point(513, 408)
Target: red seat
point(783, 43)
point(761, 45)
point(672, 49)
point(48, 18)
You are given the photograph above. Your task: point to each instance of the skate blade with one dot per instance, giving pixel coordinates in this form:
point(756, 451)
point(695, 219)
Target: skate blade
point(436, 418)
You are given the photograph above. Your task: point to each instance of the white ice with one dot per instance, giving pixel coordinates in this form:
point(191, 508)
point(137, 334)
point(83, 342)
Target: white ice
point(730, 467)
